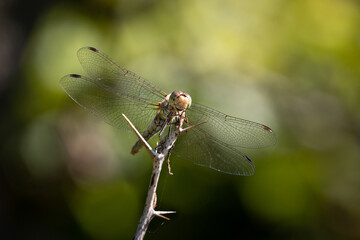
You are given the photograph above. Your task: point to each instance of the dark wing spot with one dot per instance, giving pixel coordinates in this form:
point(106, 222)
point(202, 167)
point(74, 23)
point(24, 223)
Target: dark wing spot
point(93, 49)
point(75, 75)
point(267, 128)
point(247, 158)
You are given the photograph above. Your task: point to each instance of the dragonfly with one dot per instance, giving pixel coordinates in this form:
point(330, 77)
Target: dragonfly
point(109, 90)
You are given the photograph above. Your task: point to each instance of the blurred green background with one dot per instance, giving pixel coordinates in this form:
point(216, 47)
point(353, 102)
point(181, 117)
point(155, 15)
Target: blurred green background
point(292, 65)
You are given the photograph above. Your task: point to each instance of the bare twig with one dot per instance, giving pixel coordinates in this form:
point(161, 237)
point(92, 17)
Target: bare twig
point(163, 149)
point(146, 144)
point(158, 159)
point(149, 212)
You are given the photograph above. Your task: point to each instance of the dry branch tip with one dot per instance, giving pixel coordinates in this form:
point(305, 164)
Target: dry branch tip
point(146, 144)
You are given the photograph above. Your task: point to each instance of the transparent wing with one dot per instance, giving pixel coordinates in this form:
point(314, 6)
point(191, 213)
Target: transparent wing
point(111, 90)
point(200, 148)
point(216, 144)
point(233, 131)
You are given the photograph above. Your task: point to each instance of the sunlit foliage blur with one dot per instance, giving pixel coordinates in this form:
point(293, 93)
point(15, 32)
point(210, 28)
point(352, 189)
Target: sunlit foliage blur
point(292, 65)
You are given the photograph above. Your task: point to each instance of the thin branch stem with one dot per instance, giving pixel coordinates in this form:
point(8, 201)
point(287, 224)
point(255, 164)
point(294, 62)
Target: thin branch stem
point(163, 149)
point(149, 211)
point(158, 157)
point(146, 144)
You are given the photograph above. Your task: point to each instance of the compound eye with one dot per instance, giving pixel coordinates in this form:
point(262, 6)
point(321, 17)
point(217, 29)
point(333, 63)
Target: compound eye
point(174, 95)
point(189, 100)
point(181, 102)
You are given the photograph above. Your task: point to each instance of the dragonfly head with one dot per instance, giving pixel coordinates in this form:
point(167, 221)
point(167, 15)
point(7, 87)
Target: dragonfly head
point(180, 100)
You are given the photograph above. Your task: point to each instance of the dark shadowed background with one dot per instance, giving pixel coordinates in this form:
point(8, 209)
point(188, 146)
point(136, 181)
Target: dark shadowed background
point(292, 65)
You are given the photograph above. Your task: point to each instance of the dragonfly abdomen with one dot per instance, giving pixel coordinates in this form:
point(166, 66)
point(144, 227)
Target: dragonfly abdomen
point(155, 126)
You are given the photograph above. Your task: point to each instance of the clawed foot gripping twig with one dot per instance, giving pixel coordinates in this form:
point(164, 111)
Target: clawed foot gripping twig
point(163, 149)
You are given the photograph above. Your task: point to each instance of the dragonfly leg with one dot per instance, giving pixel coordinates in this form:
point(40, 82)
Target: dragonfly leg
point(191, 127)
point(183, 118)
point(164, 126)
point(171, 125)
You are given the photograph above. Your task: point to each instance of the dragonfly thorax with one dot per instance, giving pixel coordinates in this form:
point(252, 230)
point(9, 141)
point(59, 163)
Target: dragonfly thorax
point(180, 100)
